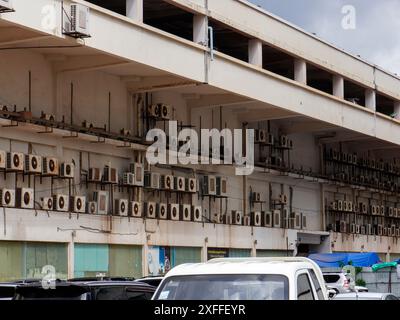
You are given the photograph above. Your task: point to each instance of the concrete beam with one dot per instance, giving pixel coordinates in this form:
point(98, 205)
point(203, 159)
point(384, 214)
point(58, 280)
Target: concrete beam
point(370, 99)
point(256, 52)
point(200, 25)
point(338, 86)
point(300, 71)
point(134, 10)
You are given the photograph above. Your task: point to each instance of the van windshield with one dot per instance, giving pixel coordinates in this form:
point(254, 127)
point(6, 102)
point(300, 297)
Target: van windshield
point(225, 287)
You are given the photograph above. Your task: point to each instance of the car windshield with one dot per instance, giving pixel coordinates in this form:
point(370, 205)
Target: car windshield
point(225, 287)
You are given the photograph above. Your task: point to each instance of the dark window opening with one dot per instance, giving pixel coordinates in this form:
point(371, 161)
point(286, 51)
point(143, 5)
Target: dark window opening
point(278, 62)
point(354, 93)
point(166, 17)
point(118, 6)
point(385, 105)
point(230, 42)
point(319, 79)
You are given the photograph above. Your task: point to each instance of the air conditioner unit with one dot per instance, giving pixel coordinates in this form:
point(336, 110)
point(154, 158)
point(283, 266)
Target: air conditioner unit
point(255, 219)
point(297, 223)
point(95, 175)
point(33, 164)
point(260, 136)
point(152, 180)
point(135, 209)
point(222, 186)
point(67, 170)
point(197, 214)
point(167, 182)
point(209, 184)
point(7, 197)
point(110, 175)
point(150, 210)
point(47, 203)
point(3, 159)
point(101, 197)
point(256, 197)
point(343, 226)
point(6, 6)
point(191, 185)
point(247, 221)
point(283, 141)
point(358, 229)
point(173, 212)
point(277, 219)
point(154, 110)
point(162, 211)
point(50, 166)
point(92, 207)
point(185, 212)
point(237, 217)
point(352, 228)
point(25, 198)
point(267, 219)
point(78, 204)
point(15, 161)
point(166, 112)
point(283, 199)
point(138, 170)
point(179, 183)
point(77, 24)
point(128, 179)
point(60, 202)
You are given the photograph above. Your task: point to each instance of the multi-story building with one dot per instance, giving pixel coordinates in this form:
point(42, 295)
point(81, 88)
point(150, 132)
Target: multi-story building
point(79, 84)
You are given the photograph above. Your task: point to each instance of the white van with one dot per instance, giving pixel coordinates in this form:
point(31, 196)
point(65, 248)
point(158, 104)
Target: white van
point(245, 279)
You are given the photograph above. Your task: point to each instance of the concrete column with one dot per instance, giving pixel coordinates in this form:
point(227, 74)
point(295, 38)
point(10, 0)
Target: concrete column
point(397, 110)
point(338, 86)
point(256, 52)
point(300, 71)
point(200, 24)
point(370, 99)
point(134, 10)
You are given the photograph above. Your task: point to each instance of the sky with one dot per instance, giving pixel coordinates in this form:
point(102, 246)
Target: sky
point(371, 27)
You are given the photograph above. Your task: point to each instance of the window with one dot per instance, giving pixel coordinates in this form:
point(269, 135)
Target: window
point(304, 289)
point(316, 285)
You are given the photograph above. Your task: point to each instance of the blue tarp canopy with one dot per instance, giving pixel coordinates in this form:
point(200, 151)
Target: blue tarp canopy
point(331, 260)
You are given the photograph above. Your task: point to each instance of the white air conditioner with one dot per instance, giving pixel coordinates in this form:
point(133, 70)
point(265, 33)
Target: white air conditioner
point(33, 164)
point(92, 207)
point(256, 219)
point(283, 199)
point(237, 217)
point(162, 211)
point(210, 185)
point(78, 204)
point(185, 212)
point(47, 203)
point(128, 179)
point(121, 207)
point(167, 182)
point(222, 186)
point(179, 183)
point(152, 180)
point(77, 23)
point(25, 198)
point(138, 170)
point(15, 161)
point(267, 219)
point(50, 166)
point(297, 223)
point(6, 6)
point(261, 136)
point(67, 170)
point(173, 211)
point(60, 203)
point(154, 110)
point(110, 175)
point(197, 214)
point(191, 185)
point(7, 197)
point(166, 111)
point(247, 221)
point(101, 197)
point(135, 209)
point(3, 159)
point(150, 210)
point(95, 175)
point(277, 219)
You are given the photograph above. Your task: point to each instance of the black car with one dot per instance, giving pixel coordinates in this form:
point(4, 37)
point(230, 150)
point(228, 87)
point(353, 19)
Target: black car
point(87, 290)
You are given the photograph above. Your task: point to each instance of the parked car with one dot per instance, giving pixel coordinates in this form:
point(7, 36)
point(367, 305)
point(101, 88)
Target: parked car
point(153, 281)
point(365, 296)
point(90, 290)
point(245, 279)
